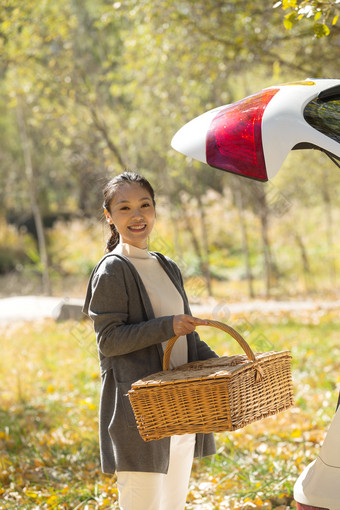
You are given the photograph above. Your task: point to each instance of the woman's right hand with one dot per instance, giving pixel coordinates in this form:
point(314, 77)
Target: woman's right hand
point(185, 324)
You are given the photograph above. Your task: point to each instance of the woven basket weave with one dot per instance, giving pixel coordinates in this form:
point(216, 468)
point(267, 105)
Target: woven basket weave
point(215, 395)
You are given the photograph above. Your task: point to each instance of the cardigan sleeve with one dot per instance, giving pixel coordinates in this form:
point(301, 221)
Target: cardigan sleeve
point(109, 309)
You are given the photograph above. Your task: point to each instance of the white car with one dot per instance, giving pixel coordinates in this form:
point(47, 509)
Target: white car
point(252, 138)
point(318, 486)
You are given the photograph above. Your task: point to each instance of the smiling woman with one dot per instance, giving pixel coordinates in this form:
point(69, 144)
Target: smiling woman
point(137, 303)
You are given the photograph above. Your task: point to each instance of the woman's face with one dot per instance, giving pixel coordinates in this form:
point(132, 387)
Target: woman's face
point(133, 213)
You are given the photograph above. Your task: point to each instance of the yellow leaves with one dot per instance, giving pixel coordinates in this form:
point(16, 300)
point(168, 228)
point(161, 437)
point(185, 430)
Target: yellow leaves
point(31, 494)
point(289, 20)
point(296, 433)
point(256, 459)
point(257, 503)
point(286, 4)
point(87, 403)
point(319, 13)
point(52, 437)
point(6, 26)
point(225, 485)
point(298, 460)
point(321, 30)
point(52, 499)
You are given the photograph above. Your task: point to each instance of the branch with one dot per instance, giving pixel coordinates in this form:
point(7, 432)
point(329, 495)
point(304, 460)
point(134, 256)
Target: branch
point(103, 129)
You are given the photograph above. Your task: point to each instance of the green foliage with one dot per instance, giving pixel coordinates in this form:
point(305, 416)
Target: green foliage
point(303, 261)
point(103, 86)
point(16, 250)
point(75, 247)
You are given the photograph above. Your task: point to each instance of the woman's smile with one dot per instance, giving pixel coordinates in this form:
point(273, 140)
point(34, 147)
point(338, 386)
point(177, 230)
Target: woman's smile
point(137, 227)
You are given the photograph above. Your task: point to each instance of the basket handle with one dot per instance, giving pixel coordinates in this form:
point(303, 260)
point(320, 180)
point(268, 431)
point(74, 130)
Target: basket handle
point(228, 329)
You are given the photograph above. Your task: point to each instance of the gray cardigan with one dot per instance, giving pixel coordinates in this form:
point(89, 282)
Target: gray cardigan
point(129, 345)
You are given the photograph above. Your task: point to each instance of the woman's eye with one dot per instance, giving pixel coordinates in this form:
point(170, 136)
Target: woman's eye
point(146, 204)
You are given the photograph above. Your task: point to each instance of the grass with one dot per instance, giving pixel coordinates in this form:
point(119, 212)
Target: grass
point(49, 399)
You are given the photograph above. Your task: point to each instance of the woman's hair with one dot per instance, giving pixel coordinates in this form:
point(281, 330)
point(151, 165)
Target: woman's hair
point(109, 193)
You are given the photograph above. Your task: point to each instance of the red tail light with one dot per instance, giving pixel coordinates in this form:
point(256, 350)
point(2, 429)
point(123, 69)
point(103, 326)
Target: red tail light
point(234, 140)
point(301, 506)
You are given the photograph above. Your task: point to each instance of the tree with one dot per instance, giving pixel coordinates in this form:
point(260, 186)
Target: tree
point(16, 50)
point(106, 85)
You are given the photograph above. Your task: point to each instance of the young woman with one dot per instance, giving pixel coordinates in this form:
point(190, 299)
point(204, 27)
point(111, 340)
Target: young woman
point(137, 302)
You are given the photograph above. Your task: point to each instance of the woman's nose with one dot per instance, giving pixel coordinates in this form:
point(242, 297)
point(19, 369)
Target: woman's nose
point(137, 213)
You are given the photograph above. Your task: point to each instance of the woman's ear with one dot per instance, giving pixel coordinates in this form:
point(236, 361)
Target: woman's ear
point(107, 216)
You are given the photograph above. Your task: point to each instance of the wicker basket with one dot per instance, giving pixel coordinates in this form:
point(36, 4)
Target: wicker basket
point(214, 395)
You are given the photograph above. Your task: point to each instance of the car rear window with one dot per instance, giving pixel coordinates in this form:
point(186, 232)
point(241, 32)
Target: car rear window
point(324, 115)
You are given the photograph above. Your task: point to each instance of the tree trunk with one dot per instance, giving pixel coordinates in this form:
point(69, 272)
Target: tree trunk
point(203, 264)
point(205, 244)
point(245, 243)
point(32, 186)
point(267, 257)
point(103, 129)
point(266, 253)
point(304, 260)
point(329, 228)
